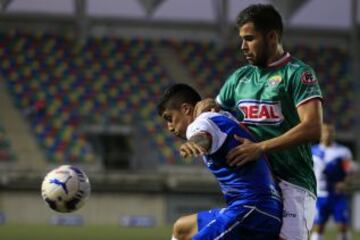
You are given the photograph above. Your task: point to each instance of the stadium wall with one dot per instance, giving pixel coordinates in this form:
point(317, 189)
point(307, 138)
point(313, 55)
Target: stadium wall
point(160, 198)
point(105, 208)
point(27, 207)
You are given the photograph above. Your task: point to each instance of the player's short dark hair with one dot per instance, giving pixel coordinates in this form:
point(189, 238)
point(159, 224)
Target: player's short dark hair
point(264, 16)
point(176, 95)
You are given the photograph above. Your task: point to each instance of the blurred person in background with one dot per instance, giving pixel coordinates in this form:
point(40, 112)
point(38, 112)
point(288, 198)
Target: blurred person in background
point(279, 99)
point(253, 202)
point(333, 167)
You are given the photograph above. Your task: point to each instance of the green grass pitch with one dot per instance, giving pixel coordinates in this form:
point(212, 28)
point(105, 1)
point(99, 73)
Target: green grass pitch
point(95, 232)
point(86, 232)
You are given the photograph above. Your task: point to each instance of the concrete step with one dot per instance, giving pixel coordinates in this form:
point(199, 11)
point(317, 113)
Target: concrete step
point(29, 155)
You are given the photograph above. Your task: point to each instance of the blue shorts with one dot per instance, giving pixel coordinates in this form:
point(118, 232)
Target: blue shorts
point(337, 206)
point(239, 222)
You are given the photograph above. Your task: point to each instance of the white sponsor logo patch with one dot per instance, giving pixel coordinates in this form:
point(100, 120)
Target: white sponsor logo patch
point(261, 112)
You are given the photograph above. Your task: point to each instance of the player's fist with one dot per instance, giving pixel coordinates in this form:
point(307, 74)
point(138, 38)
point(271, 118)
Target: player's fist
point(206, 105)
point(191, 149)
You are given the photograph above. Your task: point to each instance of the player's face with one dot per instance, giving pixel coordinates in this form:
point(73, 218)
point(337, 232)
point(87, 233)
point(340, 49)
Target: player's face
point(177, 121)
point(327, 134)
point(254, 46)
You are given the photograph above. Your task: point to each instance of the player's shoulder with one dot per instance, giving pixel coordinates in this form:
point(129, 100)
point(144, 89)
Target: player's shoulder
point(209, 122)
point(316, 150)
point(243, 71)
point(202, 121)
point(296, 65)
point(224, 115)
point(206, 115)
point(341, 148)
point(300, 71)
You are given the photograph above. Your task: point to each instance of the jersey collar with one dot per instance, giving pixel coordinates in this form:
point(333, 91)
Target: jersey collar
point(282, 61)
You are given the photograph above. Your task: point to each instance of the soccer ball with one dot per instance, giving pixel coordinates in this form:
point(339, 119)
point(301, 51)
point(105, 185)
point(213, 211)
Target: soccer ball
point(65, 188)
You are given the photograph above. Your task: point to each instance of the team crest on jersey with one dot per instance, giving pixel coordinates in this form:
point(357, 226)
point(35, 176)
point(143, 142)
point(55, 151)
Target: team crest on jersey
point(308, 78)
point(275, 80)
point(261, 112)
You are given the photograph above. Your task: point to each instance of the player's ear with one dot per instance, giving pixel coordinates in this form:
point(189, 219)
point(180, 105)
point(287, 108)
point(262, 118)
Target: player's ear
point(272, 36)
point(187, 109)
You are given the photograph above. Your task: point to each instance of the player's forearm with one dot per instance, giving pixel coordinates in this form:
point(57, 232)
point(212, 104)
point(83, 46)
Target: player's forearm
point(198, 144)
point(309, 128)
point(203, 140)
point(304, 132)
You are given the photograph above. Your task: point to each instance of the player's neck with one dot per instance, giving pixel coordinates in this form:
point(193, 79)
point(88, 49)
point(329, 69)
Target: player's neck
point(327, 144)
point(276, 55)
point(191, 118)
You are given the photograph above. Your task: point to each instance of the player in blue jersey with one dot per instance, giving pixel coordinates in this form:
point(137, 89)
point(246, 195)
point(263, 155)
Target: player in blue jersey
point(253, 203)
point(333, 166)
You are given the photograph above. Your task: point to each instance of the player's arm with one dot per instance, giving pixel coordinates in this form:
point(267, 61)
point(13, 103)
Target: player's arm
point(309, 128)
point(198, 144)
point(310, 114)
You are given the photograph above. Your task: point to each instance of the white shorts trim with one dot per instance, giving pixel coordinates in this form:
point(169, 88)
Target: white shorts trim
point(262, 212)
point(299, 211)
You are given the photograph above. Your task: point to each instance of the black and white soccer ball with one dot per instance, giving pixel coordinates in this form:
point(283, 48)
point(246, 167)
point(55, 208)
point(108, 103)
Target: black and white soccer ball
point(65, 189)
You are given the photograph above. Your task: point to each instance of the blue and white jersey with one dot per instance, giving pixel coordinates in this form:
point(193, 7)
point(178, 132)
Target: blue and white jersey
point(331, 165)
point(249, 184)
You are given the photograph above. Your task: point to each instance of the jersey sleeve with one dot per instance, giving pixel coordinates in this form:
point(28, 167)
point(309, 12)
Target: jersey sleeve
point(316, 151)
point(207, 126)
point(305, 86)
point(226, 96)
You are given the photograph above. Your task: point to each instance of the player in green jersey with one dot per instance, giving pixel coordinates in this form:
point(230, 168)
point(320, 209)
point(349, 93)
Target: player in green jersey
point(279, 99)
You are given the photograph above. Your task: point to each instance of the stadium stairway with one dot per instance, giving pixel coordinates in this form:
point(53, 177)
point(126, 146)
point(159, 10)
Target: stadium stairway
point(174, 67)
point(29, 156)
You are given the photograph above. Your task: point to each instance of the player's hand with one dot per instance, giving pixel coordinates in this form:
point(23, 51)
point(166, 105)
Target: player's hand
point(191, 149)
point(245, 152)
point(206, 105)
